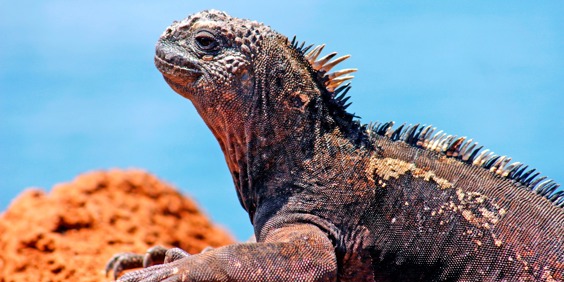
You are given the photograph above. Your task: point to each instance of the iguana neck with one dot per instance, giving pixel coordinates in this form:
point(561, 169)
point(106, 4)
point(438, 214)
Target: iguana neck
point(254, 160)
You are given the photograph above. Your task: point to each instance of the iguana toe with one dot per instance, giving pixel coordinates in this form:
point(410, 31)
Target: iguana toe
point(123, 261)
point(175, 254)
point(154, 255)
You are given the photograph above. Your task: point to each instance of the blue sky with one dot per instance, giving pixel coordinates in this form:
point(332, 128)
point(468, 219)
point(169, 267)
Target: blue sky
point(79, 92)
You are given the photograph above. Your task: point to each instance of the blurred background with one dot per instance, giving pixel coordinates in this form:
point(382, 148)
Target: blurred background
point(79, 92)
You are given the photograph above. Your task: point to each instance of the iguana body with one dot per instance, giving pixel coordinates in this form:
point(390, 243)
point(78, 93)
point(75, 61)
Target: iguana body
point(333, 200)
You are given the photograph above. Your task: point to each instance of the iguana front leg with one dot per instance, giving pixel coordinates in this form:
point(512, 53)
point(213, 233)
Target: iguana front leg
point(292, 253)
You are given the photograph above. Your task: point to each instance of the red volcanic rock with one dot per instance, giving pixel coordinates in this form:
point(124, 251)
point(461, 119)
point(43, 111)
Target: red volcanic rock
point(70, 233)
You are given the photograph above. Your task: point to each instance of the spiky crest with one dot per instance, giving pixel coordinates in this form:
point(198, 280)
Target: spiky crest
point(335, 93)
point(468, 151)
point(422, 136)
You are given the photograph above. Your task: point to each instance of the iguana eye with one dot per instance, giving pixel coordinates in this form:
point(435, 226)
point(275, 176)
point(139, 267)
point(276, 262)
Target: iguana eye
point(206, 41)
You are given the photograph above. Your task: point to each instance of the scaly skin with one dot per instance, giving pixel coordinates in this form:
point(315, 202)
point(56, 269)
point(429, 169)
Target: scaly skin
point(330, 200)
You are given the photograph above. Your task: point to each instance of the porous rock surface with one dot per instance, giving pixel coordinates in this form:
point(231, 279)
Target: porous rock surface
point(70, 233)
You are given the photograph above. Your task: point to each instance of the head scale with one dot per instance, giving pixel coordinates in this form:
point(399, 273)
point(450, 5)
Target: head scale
point(211, 52)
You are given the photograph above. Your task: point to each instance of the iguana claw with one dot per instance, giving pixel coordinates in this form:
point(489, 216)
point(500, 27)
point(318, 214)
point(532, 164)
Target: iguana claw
point(154, 256)
point(123, 261)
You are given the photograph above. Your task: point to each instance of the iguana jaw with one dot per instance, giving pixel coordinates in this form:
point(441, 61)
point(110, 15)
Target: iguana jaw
point(177, 69)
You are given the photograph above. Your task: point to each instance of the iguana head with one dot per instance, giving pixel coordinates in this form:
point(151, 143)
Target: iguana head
point(237, 66)
point(252, 86)
point(207, 57)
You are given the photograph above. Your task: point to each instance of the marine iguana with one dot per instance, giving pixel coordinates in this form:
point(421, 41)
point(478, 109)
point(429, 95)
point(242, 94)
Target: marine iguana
point(332, 199)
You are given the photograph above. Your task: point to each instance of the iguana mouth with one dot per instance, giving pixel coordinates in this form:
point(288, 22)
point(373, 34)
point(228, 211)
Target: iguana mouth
point(172, 64)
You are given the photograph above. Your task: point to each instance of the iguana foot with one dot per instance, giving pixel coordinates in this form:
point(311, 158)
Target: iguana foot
point(163, 272)
point(154, 256)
